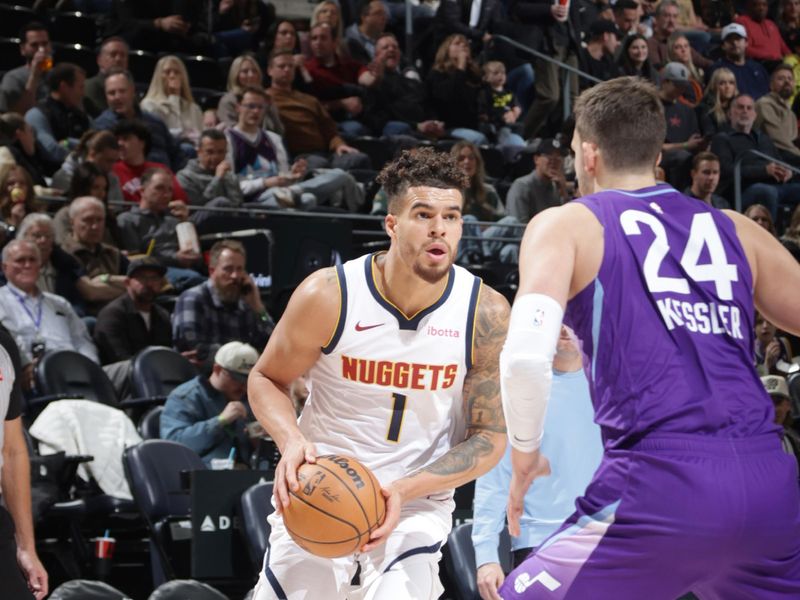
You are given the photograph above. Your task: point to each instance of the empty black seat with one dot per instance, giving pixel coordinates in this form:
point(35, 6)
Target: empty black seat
point(204, 72)
point(83, 56)
point(10, 58)
point(158, 370)
point(256, 506)
point(141, 64)
point(150, 424)
point(14, 18)
point(73, 28)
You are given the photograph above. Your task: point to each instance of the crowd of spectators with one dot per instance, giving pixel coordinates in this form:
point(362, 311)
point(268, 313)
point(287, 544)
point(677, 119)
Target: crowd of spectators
point(108, 172)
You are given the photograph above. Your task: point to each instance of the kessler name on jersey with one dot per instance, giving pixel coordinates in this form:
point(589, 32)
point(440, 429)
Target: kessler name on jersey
point(399, 375)
point(701, 317)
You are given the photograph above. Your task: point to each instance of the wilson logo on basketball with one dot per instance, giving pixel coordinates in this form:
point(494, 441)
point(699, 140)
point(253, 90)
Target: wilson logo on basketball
point(343, 463)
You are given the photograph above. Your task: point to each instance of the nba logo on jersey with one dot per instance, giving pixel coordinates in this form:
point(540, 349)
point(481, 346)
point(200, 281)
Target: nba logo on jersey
point(538, 317)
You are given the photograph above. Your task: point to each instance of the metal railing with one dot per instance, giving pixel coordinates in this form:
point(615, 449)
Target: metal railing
point(258, 214)
point(566, 69)
point(737, 173)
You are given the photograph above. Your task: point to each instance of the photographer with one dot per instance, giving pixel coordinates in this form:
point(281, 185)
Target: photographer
point(225, 308)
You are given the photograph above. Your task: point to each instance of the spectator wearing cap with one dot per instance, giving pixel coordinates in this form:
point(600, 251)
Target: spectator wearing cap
point(705, 179)
point(751, 77)
point(224, 308)
point(664, 25)
point(543, 187)
point(208, 414)
point(683, 137)
point(60, 121)
point(134, 321)
point(763, 181)
point(778, 390)
point(775, 116)
point(597, 58)
point(764, 40)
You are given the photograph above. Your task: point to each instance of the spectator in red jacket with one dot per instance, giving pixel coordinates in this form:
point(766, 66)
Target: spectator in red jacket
point(764, 41)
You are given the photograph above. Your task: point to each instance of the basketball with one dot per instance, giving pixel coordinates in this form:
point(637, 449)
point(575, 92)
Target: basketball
point(338, 505)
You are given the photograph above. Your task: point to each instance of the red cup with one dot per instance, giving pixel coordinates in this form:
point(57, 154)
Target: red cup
point(104, 547)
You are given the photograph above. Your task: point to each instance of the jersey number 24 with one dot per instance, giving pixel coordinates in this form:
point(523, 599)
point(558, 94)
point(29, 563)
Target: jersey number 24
point(703, 234)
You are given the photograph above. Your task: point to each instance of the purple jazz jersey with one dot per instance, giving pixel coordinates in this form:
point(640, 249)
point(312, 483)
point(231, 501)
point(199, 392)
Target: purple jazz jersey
point(667, 325)
point(694, 492)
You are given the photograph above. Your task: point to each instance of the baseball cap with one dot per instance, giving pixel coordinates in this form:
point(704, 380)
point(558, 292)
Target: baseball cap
point(776, 386)
point(237, 359)
point(145, 263)
point(601, 26)
point(733, 28)
point(675, 72)
point(549, 146)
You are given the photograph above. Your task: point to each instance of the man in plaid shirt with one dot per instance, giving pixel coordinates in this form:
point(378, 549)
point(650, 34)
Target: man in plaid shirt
point(225, 308)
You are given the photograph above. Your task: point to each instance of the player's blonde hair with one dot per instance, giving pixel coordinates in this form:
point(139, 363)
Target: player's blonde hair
point(624, 117)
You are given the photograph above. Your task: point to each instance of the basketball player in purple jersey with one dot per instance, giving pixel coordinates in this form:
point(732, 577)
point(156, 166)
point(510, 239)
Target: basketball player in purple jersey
point(694, 492)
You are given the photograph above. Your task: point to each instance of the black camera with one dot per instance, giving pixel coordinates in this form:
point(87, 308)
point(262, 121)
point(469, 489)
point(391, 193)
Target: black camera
point(37, 349)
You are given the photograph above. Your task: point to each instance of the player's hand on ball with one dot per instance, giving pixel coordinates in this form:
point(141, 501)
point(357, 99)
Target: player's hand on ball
point(296, 452)
point(394, 502)
point(526, 466)
point(490, 578)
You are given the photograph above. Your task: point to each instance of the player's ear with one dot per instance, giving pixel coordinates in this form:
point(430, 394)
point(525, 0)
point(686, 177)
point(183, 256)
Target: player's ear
point(590, 153)
point(389, 223)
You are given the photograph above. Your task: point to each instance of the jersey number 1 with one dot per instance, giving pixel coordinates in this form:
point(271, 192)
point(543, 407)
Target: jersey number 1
point(703, 234)
point(396, 422)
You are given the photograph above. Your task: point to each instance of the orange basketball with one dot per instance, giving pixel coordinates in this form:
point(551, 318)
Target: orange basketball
point(339, 504)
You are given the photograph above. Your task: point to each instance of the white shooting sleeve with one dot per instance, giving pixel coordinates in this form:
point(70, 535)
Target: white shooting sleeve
point(526, 367)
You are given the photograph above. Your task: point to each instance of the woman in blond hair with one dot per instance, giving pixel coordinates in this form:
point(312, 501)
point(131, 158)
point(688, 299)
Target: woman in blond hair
point(170, 97)
point(244, 73)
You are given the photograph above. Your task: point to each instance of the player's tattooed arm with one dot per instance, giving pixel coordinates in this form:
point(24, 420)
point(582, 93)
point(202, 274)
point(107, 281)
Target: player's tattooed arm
point(486, 428)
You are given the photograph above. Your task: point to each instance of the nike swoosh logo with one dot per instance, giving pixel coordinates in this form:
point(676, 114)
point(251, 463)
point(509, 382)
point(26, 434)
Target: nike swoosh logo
point(360, 327)
point(524, 441)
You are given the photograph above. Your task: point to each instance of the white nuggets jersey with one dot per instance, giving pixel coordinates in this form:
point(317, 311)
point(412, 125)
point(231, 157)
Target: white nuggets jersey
point(387, 388)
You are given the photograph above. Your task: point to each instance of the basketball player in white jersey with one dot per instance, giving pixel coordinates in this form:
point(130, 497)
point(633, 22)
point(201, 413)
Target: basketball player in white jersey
point(402, 350)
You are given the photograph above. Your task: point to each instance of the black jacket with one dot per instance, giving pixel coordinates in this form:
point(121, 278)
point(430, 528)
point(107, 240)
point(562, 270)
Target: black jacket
point(730, 144)
point(120, 331)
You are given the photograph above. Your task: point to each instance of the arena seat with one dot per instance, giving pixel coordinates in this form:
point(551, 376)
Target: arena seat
point(14, 18)
point(83, 56)
point(141, 64)
point(180, 589)
point(255, 506)
point(153, 470)
point(459, 560)
point(85, 589)
point(150, 425)
point(158, 370)
point(73, 28)
point(70, 374)
point(10, 58)
point(204, 72)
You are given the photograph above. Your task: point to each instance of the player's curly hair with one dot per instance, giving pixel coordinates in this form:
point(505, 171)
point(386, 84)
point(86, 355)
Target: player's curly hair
point(420, 167)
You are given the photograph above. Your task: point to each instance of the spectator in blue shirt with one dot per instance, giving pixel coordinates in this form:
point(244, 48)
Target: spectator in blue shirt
point(207, 414)
point(751, 77)
point(572, 444)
